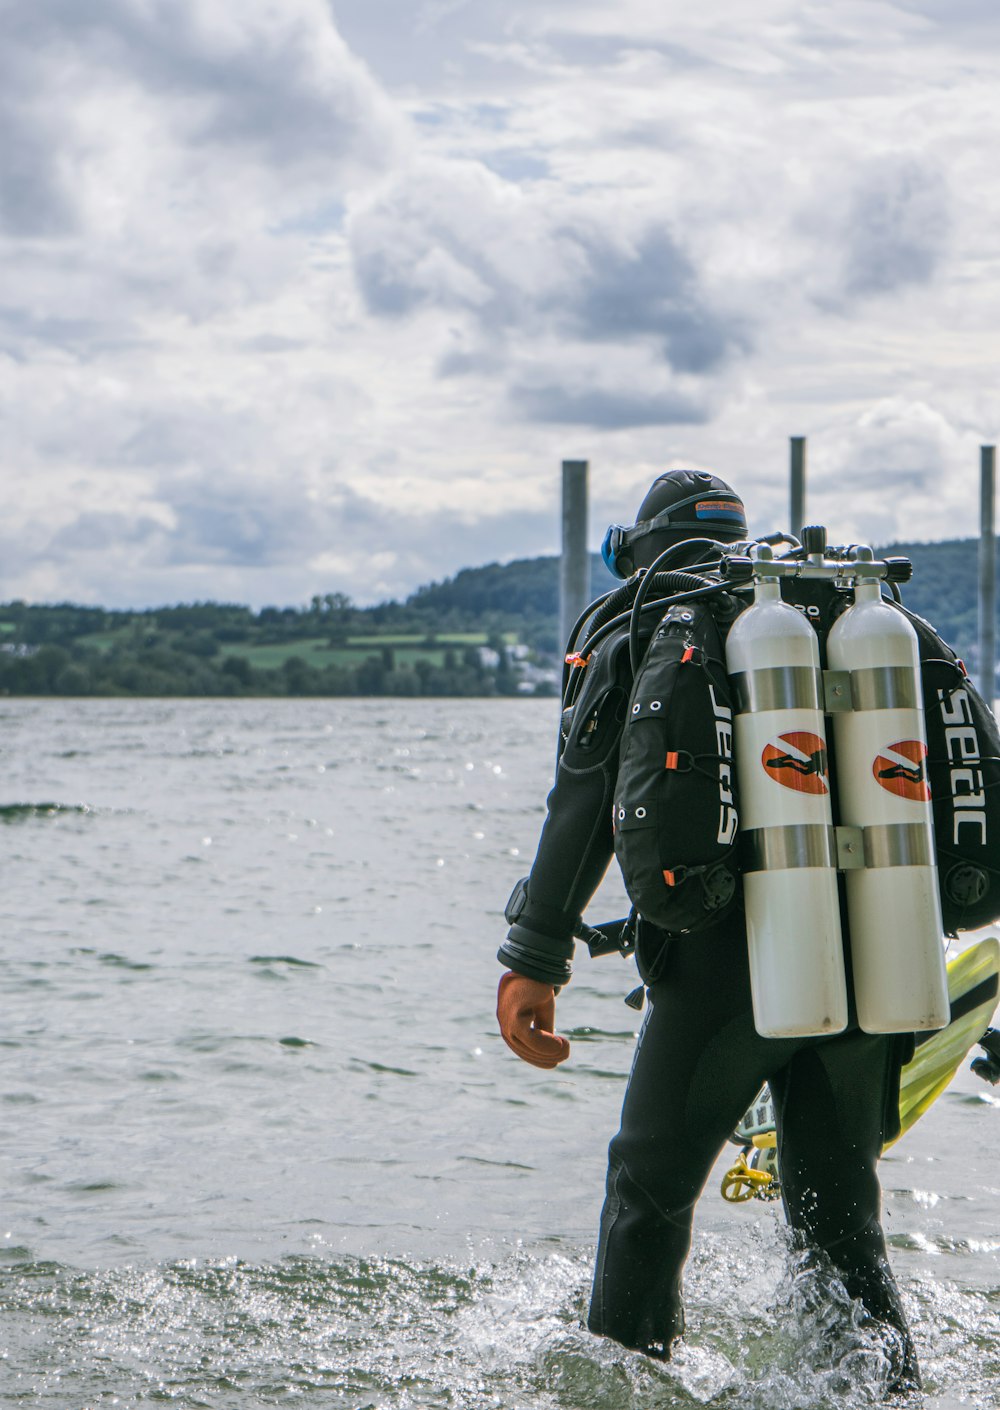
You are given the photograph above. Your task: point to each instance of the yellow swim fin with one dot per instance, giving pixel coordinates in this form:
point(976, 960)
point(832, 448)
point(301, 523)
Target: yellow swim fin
point(973, 987)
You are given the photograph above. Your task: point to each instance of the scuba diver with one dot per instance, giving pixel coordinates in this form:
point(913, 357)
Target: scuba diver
point(699, 1061)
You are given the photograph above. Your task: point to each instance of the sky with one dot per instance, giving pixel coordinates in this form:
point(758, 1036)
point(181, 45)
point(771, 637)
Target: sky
point(308, 296)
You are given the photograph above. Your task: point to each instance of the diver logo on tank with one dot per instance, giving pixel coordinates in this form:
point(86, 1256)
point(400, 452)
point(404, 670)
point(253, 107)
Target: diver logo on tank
point(901, 770)
point(798, 760)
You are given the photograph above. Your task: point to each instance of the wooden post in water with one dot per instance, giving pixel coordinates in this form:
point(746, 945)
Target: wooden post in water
point(574, 565)
point(797, 488)
point(987, 574)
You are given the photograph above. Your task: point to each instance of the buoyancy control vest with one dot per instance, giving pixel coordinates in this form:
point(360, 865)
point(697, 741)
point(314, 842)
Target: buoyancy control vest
point(676, 810)
point(963, 771)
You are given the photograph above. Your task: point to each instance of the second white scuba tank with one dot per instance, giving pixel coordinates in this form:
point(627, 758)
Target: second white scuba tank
point(894, 909)
point(786, 824)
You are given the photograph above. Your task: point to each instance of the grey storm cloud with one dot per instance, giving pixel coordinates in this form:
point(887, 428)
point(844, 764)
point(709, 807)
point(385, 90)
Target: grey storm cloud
point(606, 410)
point(408, 253)
point(913, 468)
point(455, 246)
point(654, 290)
point(35, 195)
point(290, 92)
point(223, 528)
point(219, 519)
point(20, 328)
point(216, 520)
point(953, 15)
point(100, 532)
point(897, 230)
point(177, 435)
point(426, 243)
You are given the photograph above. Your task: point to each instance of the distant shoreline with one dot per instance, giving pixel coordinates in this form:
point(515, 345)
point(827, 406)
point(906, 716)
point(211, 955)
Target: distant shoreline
point(487, 632)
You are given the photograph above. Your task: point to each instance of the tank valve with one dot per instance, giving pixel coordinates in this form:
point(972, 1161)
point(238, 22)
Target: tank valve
point(814, 540)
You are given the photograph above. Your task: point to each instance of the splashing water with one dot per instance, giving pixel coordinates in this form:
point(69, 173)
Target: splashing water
point(369, 1334)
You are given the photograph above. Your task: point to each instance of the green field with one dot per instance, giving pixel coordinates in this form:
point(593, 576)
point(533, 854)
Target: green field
point(103, 641)
point(406, 648)
point(455, 639)
point(315, 651)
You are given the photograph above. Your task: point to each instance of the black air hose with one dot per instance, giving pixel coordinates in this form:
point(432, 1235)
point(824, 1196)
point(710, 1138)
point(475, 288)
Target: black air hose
point(663, 585)
point(629, 603)
point(601, 611)
point(659, 585)
point(617, 601)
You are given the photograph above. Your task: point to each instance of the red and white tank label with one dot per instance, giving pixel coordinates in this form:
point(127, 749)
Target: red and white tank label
point(797, 760)
point(901, 770)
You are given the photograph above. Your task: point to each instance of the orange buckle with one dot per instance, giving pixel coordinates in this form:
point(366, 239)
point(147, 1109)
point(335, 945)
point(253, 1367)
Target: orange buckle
point(577, 659)
point(669, 878)
point(672, 763)
point(688, 654)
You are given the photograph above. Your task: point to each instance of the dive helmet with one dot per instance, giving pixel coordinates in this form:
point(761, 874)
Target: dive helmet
point(680, 504)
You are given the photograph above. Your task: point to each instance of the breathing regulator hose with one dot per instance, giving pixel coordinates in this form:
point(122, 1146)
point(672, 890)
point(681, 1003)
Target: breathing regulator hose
point(617, 599)
point(680, 587)
point(650, 590)
point(617, 608)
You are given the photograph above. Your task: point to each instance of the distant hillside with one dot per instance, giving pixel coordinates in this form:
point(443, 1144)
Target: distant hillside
point(944, 589)
point(524, 593)
point(487, 631)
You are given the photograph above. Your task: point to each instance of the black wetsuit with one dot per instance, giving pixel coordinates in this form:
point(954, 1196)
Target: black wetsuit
point(699, 1064)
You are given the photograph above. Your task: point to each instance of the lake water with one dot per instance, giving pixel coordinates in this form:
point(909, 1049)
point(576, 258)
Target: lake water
point(261, 1144)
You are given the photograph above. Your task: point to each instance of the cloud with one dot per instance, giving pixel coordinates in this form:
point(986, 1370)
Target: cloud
point(216, 537)
point(35, 197)
point(953, 16)
point(456, 238)
point(891, 474)
point(176, 154)
point(298, 296)
point(650, 287)
point(35, 192)
point(438, 235)
point(606, 410)
point(897, 228)
point(275, 80)
point(103, 532)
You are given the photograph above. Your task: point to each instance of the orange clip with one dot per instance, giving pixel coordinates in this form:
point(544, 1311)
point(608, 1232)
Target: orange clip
point(688, 654)
point(577, 659)
point(669, 878)
point(672, 759)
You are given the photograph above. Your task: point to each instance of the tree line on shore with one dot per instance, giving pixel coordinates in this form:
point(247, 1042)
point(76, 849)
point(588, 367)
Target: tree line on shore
point(162, 668)
point(486, 631)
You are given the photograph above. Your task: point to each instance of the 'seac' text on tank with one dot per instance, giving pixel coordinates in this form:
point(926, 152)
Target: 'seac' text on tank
point(728, 818)
point(964, 758)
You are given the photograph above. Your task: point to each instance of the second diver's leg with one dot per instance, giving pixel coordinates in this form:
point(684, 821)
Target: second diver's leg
point(831, 1103)
point(698, 1065)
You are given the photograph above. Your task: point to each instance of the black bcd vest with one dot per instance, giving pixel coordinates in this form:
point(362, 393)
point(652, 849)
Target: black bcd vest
point(676, 810)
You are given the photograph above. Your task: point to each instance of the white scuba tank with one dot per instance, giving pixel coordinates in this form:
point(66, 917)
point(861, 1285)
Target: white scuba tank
point(789, 870)
point(894, 909)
